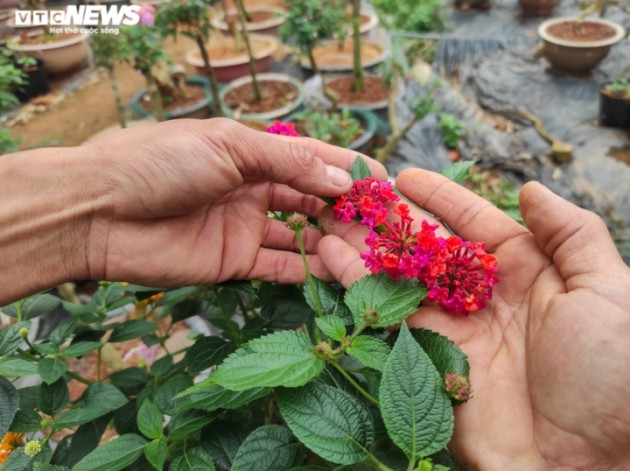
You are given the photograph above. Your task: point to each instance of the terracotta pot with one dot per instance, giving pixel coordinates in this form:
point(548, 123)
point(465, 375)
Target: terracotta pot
point(231, 68)
point(537, 7)
point(577, 57)
point(268, 26)
point(330, 58)
point(199, 110)
point(278, 113)
point(58, 56)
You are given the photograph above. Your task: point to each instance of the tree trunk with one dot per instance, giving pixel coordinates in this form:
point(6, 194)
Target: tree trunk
point(154, 94)
point(357, 65)
point(250, 53)
point(120, 109)
point(214, 86)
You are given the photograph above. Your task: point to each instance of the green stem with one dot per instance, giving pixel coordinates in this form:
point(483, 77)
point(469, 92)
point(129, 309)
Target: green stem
point(374, 463)
point(357, 67)
point(309, 277)
point(228, 320)
point(18, 307)
point(212, 79)
point(352, 381)
point(250, 52)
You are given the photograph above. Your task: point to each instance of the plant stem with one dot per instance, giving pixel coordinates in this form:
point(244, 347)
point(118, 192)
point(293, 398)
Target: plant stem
point(252, 61)
point(154, 94)
point(386, 151)
point(357, 68)
point(228, 320)
point(373, 462)
point(358, 387)
point(212, 78)
point(120, 109)
point(309, 276)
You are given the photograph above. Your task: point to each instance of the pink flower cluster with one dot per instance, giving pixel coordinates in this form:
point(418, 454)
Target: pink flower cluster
point(284, 129)
point(459, 275)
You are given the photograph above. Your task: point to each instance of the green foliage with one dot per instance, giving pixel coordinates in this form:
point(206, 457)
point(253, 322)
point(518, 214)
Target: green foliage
point(452, 130)
point(109, 49)
point(11, 76)
point(145, 46)
point(292, 377)
point(619, 87)
point(190, 18)
point(410, 15)
point(340, 128)
point(8, 143)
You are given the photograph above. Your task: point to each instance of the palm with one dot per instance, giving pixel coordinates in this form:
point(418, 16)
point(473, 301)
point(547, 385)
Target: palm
point(546, 369)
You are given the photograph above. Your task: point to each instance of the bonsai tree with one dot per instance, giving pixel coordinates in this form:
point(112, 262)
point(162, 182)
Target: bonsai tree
point(11, 76)
point(192, 19)
point(357, 65)
point(109, 50)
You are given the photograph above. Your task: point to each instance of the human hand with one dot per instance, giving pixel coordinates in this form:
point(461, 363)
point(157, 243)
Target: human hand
point(548, 355)
point(189, 204)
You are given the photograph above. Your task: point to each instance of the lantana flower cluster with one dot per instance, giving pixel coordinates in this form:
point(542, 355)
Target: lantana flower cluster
point(459, 275)
point(284, 129)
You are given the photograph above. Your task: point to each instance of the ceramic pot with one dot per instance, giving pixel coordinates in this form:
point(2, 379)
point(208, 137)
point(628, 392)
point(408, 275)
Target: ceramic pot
point(58, 56)
point(227, 69)
point(199, 110)
point(270, 25)
point(278, 113)
point(331, 58)
point(578, 57)
point(614, 111)
point(537, 7)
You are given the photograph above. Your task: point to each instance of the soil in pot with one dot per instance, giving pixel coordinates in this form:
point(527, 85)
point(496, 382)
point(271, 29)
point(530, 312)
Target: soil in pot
point(195, 94)
point(274, 95)
point(332, 56)
point(256, 16)
point(587, 31)
point(374, 90)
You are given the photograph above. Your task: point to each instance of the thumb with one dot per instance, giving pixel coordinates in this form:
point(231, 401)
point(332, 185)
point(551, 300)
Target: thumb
point(576, 239)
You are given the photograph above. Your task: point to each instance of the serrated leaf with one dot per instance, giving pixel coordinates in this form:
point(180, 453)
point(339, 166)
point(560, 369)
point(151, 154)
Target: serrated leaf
point(132, 329)
point(34, 306)
point(150, 420)
point(393, 300)
point(63, 330)
point(51, 369)
point(113, 455)
point(130, 380)
point(8, 405)
point(214, 397)
point(13, 367)
point(221, 441)
point(267, 447)
point(332, 326)
point(193, 459)
point(459, 171)
point(155, 452)
point(53, 397)
point(359, 169)
point(205, 353)
point(330, 298)
point(329, 421)
point(416, 410)
point(164, 394)
point(281, 359)
point(48, 467)
point(80, 348)
point(18, 461)
point(44, 348)
point(97, 400)
point(370, 351)
point(188, 422)
point(85, 439)
point(162, 366)
point(26, 421)
point(444, 354)
point(10, 339)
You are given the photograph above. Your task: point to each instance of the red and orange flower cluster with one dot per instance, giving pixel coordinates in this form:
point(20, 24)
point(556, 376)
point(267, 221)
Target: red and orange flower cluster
point(284, 129)
point(459, 275)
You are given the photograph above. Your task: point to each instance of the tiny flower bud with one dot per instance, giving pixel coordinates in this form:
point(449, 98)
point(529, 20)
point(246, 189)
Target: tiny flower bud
point(371, 316)
point(297, 221)
point(23, 332)
point(323, 351)
point(458, 387)
point(32, 448)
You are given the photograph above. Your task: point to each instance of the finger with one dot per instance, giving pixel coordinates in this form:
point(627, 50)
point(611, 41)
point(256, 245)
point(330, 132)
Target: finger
point(308, 165)
point(286, 267)
point(279, 236)
point(576, 239)
point(342, 260)
point(353, 233)
point(468, 214)
point(284, 198)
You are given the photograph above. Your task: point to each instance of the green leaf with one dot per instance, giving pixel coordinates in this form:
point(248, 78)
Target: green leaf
point(444, 354)
point(214, 397)
point(393, 300)
point(113, 455)
point(80, 348)
point(221, 441)
point(459, 171)
point(13, 367)
point(34, 306)
point(132, 329)
point(332, 326)
point(45, 348)
point(164, 395)
point(97, 400)
point(281, 359)
point(51, 369)
point(150, 420)
point(130, 380)
point(193, 459)
point(18, 461)
point(85, 439)
point(53, 397)
point(359, 169)
point(155, 452)
point(205, 353)
point(188, 422)
point(63, 330)
point(267, 447)
point(48, 467)
point(8, 405)
point(370, 351)
point(162, 366)
point(10, 339)
point(26, 421)
point(330, 298)
point(329, 421)
point(415, 408)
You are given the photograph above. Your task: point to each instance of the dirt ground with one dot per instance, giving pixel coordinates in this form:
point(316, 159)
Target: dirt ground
point(70, 118)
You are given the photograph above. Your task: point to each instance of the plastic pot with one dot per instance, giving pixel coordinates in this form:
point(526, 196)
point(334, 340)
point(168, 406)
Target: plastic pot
point(35, 84)
point(614, 111)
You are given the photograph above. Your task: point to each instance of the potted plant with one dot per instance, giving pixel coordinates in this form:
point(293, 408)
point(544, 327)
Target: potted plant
point(108, 51)
point(192, 19)
point(259, 19)
point(577, 45)
point(614, 103)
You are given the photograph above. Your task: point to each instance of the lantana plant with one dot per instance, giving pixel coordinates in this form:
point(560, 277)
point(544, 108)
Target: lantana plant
point(287, 377)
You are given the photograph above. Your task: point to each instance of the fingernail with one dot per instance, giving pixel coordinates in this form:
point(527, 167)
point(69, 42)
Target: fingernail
point(337, 176)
